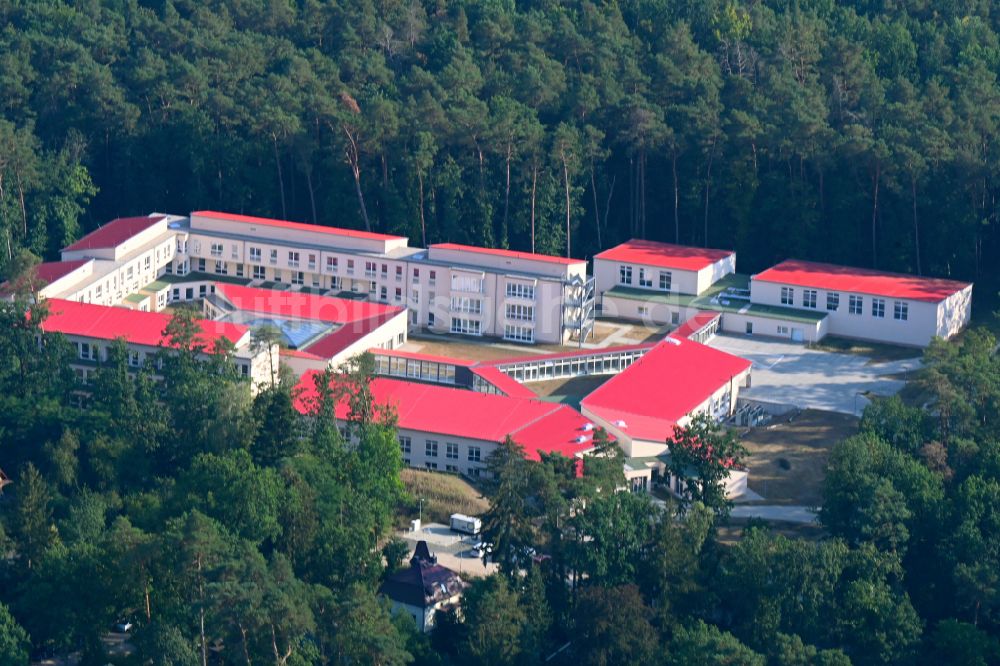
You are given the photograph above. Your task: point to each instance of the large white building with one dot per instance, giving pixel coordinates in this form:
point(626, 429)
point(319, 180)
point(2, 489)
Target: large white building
point(660, 283)
point(867, 304)
point(146, 262)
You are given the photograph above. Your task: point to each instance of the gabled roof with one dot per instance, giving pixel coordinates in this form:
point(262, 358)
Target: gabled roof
point(423, 584)
point(297, 226)
point(51, 271)
point(663, 255)
point(503, 382)
point(114, 233)
point(538, 426)
point(663, 387)
point(508, 254)
point(860, 280)
point(696, 323)
point(110, 323)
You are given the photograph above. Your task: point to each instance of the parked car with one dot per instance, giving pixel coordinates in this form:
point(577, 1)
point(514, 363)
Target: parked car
point(123, 626)
point(482, 549)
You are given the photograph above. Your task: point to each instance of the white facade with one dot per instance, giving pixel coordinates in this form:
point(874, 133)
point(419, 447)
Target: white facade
point(893, 320)
point(611, 273)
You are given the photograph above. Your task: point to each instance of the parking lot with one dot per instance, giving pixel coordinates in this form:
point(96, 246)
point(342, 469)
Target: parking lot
point(453, 550)
point(792, 374)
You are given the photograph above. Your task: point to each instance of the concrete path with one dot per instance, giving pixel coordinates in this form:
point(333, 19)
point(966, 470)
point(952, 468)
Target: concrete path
point(792, 374)
point(788, 514)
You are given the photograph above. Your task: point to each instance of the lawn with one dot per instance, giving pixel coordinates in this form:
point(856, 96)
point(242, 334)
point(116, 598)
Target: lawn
point(443, 495)
point(788, 459)
point(732, 532)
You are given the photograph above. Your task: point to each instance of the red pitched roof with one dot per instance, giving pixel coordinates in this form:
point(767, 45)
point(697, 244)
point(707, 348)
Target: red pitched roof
point(53, 270)
point(695, 324)
point(298, 226)
point(860, 280)
point(664, 255)
point(509, 254)
point(538, 426)
point(664, 386)
point(114, 233)
point(109, 323)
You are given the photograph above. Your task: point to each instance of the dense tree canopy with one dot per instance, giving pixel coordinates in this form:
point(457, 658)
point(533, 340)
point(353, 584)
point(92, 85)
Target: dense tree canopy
point(856, 132)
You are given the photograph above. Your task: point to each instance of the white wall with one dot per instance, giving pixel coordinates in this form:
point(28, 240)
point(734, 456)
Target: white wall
point(954, 313)
point(718, 270)
point(924, 320)
point(606, 276)
point(658, 314)
point(734, 322)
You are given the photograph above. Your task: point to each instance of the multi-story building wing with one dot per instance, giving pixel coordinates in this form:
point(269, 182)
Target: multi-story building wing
point(651, 281)
point(91, 329)
point(867, 304)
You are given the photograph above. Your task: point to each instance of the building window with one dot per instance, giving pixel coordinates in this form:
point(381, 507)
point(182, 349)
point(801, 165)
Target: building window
point(335, 283)
point(216, 249)
point(451, 468)
point(350, 267)
point(239, 270)
point(383, 294)
point(415, 296)
point(259, 273)
point(416, 276)
point(465, 326)
point(201, 265)
point(236, 252)
point(878, 308)
point(433, 278)
point(293, 259)
point(624, 275)
point(430, 465)
point(787, 296)
point(370, 269)
point(518, 290)
point(518, 333)
point(85, 351)
point(782, 330)
point(255, 254)
point(900, 310)
point(832, 301)
point(644, 280)
point(399, 273)
point(467, 283)
point(331, 264)
point(431, 448)
point(809, 298)
point(385, 271)
point(474, 471)
point(274, 257)
point(465, 304)
point(430, 319)
point(474, 454)
point(133, 359)
point(298, 277)
point(221, 268)
point(666, 279)
point(854, 305)
point(675, 318)
point(312, 262)
point(520, 312)
point(451, 451)
point(643, 311)
point(399, 294)
point(404, 444)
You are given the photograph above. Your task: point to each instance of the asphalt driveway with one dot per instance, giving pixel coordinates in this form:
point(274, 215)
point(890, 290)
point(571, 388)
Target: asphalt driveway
point(791, 374)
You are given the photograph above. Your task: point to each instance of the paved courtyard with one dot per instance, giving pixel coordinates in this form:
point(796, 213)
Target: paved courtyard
point(453, 550)
point(792, 374)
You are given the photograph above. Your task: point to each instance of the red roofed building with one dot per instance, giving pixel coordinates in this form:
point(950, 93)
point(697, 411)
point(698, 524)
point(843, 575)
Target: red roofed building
point(673, 381)
point(866, 304)
point(317, 330)
point(92, 328)
point(115, 234)
point(452, 429)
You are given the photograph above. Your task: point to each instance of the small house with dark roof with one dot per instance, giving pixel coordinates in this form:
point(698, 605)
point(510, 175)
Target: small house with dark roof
point(423, 588)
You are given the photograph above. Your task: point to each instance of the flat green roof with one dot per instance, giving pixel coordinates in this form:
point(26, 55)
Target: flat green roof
point(136, 298)
point(649, 296)
point(156, 285)
point(202, 277)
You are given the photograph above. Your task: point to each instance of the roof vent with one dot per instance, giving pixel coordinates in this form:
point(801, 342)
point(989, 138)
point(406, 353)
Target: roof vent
point(673, 341)
point(581, 439)
point(621, 424)
point(588, 426)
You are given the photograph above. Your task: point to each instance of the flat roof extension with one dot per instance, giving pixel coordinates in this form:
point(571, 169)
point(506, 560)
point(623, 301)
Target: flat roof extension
point(663, 255)
point(832, 277)
point(297, 226)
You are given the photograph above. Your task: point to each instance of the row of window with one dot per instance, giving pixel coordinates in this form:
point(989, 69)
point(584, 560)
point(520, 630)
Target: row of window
point(664, 278)
point(855, 304)
point(431, 448)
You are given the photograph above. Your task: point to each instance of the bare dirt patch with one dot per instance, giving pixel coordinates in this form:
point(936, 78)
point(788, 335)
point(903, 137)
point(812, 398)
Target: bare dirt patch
point(788, 459)
point(443, 495)
point(877, 352)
